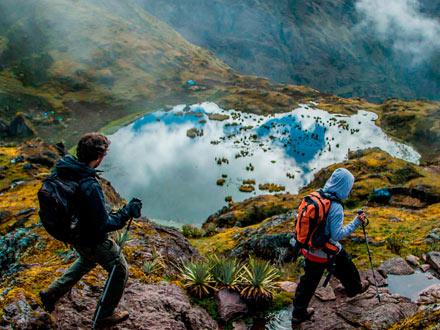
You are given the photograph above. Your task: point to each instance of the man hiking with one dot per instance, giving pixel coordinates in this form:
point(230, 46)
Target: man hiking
point(93, 243)
point(335, 258)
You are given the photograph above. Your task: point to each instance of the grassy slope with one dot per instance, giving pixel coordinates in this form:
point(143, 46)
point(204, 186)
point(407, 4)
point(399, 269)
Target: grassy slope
point(93, 63)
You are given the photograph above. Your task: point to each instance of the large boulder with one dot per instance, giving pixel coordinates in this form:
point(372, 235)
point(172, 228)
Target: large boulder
point(20, 126)
point(262, 243)
point(365, 311)
point(230, 305)
point(151, 307)
point(4, 128)
point(434, 260)
point(397, 266)
point(274, 247)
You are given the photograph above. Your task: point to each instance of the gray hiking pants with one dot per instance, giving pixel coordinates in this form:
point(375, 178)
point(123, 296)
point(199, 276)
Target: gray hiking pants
point(104, 254)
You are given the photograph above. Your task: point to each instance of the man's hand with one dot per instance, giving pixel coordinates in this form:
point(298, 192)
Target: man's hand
point(361, 216)
point(134, 208)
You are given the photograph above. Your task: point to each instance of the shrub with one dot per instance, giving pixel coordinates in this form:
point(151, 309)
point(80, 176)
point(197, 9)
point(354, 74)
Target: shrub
point(395, 243)
point(211, 229)
point(190, 231)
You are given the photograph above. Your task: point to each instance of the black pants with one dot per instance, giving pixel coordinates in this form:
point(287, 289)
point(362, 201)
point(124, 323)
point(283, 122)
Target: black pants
point(345, 271)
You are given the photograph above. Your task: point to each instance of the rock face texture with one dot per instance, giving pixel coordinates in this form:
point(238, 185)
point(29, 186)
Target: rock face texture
point(230, 305)
point(363, 311)
point(261, 243)
point(430, 295)
point(434, 260)
point(21, 315)
point(151, 307)
point(20, 126)
point(397, 266)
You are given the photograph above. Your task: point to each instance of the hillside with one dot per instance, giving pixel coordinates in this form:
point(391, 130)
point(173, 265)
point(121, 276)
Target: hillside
point(328, 45)
point(76, 66)
point(30, 259)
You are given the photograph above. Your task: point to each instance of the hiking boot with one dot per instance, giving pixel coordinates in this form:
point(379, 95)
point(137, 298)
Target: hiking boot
point(49, 299)
point(116, 317)
point(297, 319)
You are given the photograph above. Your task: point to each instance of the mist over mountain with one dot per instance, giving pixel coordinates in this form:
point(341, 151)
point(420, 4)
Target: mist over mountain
point(371, 49)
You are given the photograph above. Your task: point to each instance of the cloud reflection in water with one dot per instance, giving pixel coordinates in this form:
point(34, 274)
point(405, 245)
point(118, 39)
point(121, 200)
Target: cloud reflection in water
point(176, 176)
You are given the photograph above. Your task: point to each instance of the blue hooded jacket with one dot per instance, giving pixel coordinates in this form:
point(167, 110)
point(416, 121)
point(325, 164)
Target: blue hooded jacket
point(339, 184)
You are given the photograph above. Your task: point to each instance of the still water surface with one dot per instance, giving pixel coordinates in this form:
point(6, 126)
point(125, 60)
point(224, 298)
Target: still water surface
point(176, 175)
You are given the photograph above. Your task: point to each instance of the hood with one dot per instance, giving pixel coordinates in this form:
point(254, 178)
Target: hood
point(340, 183)
point(70, 168)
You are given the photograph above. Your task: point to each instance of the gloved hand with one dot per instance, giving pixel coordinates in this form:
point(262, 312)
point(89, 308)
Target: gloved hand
point(133, 208)
point(361, 215)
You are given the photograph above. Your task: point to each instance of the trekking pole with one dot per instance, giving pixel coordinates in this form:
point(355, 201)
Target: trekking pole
point(107, 283)
point(364, 224)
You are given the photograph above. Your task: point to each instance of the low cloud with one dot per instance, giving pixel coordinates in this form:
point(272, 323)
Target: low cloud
point(401, 23)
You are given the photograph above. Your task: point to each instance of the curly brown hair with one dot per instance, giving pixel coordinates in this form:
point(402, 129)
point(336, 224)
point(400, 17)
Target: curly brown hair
point(91, 146)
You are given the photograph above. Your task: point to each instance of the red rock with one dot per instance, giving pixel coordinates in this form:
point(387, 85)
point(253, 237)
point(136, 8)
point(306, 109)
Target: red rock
point(412, 260)
point(430, 295)
point(425, 268)
point(396, 266)
point(288, 286)
point(230, 305)
point(325, 293)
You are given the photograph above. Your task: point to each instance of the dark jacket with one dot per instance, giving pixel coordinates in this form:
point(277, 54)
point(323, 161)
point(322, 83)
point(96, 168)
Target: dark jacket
point(93, 219)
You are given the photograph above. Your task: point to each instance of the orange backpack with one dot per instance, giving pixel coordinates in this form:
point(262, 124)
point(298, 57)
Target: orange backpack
point(311, 221)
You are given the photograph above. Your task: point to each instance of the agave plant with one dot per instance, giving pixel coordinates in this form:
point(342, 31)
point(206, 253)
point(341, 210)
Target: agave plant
point(259, 279)
point(152, 267)
point(119, 238)
point(226, 272)
point(197, 278)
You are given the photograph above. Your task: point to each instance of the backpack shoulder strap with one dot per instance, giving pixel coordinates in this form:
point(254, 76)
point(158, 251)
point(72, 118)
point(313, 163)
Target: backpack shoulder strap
point(330, 196)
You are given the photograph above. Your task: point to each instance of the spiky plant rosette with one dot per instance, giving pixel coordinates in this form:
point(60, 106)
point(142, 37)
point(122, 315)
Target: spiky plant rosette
point(197, 278)
point(152, 267)
point(226, 272)
point(119, 238)
point(259, 279)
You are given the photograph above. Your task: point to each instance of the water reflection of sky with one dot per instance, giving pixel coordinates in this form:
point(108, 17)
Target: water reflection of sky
point(176, 176)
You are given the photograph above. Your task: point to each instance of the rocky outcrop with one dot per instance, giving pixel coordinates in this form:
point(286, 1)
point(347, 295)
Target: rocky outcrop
point(4, 128)
point(21, 127)
point(364, 311)
point(230, 305)
point(430, 295)
point(12, 246)
point(20, 314)
point(274, 247)
point(261, 243)
point(151, 307)
point(397, 266)
point(428, 318)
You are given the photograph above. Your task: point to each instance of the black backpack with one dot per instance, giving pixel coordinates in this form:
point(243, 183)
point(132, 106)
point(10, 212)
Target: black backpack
point(57, 198)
